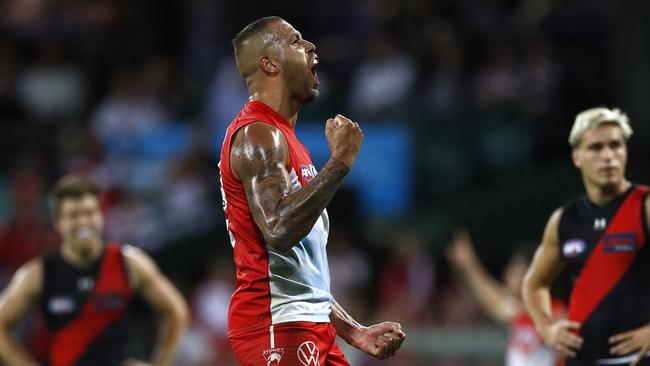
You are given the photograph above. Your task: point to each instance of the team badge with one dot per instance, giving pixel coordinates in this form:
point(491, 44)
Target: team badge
point(573, 248)
point(273, 356)
point(61, 305)
point(308, 354)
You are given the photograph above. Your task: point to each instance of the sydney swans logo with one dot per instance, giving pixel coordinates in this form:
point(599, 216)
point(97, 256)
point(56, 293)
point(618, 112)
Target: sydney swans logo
point(308, 354)
point(273, 356)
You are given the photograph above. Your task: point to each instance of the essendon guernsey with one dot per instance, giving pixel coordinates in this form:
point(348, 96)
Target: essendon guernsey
point(605, 248)
point(85, 310)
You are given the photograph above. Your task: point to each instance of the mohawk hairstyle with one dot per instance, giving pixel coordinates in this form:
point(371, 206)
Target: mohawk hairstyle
point(252, 30)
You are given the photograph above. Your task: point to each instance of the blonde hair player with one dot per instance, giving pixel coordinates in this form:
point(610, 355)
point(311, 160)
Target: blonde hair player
point(601, 238)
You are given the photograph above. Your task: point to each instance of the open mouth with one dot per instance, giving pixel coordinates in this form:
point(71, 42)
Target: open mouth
point(84, 233)
point(608, 170)
point(313, 69)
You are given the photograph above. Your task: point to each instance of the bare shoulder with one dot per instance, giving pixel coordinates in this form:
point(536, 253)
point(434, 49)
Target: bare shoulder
point(551, 235)
point(257, 146)
point(137, 259)
point(31, 272)
point(28, 279)
point(141, 268)
point(258, 133)
point(554, 220)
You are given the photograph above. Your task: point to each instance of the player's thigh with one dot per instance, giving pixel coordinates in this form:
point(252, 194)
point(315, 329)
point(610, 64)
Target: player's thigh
point(335, 357)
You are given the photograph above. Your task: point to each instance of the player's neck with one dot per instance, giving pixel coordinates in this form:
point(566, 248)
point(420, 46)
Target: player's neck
point(81, 259)
point(279, 102)
point(600, 195)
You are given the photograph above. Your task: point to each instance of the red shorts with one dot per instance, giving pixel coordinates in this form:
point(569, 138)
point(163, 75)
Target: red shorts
point(289, 344)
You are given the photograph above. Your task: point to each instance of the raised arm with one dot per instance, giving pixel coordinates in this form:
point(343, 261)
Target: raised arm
point(259, 158)
point(380, 340)
point(546, 265)
point(15, 300)
point(159, 292)
point(493, 296)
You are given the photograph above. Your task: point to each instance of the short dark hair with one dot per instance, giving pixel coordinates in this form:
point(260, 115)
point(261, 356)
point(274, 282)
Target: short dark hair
point(251, 30)
point(71, 186)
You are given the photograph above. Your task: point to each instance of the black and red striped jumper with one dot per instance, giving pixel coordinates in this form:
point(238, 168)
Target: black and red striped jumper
point(607, 256)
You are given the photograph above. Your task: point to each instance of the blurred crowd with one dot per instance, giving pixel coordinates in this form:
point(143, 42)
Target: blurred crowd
point(137, 94)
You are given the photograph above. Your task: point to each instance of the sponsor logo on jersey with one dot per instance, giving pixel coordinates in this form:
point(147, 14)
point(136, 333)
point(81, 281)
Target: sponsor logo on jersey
point(573, 248)
point(308, 354)
point(61, 305)
point(620, 243)
point(308, 172)
point(273, 356)
point(109, 300)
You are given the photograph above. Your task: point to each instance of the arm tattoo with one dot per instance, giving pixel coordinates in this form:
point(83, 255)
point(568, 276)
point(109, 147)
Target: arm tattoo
point(260, 157)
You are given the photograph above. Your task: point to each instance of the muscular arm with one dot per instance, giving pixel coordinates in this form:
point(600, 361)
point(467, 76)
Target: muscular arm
point(163, 297)
point(259, 158)
point(493, 296)
point(15, 300)
point(546, 265)
point(380, 340)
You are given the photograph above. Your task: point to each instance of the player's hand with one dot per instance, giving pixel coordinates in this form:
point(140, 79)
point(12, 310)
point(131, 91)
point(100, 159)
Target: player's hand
point(344, 139)
point(637, 340)
point(559, 337)
point(134, 362)
point(380, 340)
point(460, 252)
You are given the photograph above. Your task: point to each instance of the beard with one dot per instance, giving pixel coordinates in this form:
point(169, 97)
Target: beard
point(299, 82)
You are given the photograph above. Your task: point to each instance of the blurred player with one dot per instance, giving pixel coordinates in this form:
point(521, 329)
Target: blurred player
point(85, 288)
point(282, 311)
point(502, 301)
point(601, 238)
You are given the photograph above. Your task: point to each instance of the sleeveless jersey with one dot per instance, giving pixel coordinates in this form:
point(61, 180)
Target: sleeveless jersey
point(525, 346)
point(85, 310)
point(606, 254)
point(273, 287)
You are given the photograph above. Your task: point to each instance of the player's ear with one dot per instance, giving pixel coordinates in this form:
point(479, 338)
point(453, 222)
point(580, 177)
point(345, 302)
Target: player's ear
point(576, 157)
point(56, 223)
point(269, 65)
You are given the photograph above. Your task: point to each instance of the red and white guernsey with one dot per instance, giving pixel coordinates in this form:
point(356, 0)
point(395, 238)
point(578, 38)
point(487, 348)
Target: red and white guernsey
point(525, 346)
point(273, 287)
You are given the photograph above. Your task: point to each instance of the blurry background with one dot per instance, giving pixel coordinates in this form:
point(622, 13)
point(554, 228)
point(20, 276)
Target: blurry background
point(466, 106)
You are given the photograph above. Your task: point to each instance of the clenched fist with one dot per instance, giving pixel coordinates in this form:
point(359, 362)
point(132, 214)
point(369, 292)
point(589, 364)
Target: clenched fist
point(344, 139)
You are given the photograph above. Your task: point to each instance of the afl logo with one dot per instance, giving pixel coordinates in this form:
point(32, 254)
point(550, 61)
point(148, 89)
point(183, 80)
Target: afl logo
point(61, 305)
point(573, 248)
point(308, 172)
point(308, 354)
